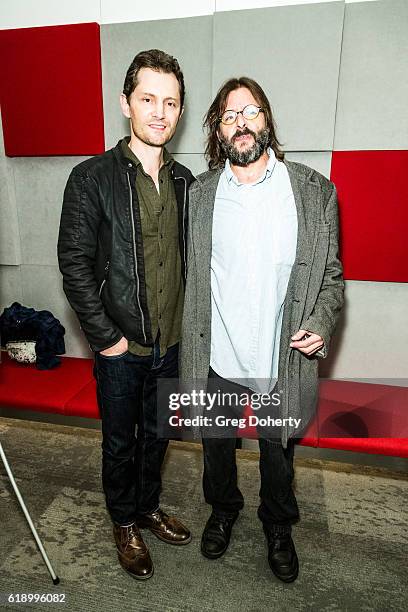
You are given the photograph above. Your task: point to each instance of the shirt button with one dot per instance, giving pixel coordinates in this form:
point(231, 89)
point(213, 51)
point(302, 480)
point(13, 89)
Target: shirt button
point(160, 290)
point(161, 236)
point(129, 165)
point(161, 263)
point(162, 207)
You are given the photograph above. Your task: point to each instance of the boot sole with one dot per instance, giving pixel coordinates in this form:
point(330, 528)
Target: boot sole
point(213, 555)
point(135, 576)
point(139, 577)
point(286, 579)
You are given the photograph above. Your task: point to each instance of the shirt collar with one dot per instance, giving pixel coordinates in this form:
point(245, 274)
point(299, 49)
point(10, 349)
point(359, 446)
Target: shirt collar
point(230, 176)
point(168, 160)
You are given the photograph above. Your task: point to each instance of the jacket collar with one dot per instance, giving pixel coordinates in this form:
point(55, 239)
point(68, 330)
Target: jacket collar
point(177, 170)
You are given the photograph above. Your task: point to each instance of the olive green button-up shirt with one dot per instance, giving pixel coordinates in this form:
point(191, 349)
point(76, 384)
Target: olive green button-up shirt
point(162, 262)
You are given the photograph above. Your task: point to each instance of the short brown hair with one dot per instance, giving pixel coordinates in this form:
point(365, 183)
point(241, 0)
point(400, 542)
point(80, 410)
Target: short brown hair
point(155, 60)
point(213, 152)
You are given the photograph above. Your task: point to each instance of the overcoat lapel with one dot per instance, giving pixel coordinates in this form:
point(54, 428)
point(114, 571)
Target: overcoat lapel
point(305, 192)
point(202, 223)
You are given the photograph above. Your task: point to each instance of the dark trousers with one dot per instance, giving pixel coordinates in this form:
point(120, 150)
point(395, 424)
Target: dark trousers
point(132, 453)
point(278, 504)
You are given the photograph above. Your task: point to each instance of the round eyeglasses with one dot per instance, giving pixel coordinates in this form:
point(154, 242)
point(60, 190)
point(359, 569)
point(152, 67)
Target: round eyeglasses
point(250, 111)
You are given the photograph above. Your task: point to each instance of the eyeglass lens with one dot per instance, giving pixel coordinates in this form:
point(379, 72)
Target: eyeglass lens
point(248, 112)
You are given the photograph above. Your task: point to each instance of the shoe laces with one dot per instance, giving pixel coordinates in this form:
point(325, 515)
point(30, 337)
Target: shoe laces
point(128, 533)
point(161, 514)
point(279, 539)
point(214, 521)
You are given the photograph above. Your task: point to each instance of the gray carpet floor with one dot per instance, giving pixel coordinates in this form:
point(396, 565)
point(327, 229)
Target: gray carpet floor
point(351, 540)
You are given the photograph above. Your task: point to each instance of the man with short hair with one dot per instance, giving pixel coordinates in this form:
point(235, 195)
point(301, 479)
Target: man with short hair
point(264, 290)
point(122, 254)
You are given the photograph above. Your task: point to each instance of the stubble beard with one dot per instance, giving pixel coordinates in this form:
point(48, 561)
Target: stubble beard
point(244, 157)
point(152, 143)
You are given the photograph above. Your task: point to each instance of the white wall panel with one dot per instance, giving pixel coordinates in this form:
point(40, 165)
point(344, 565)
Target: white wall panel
point(113, 11)
point(30, 13)
point(233, 5)
point(372, 337)
point(27, 13)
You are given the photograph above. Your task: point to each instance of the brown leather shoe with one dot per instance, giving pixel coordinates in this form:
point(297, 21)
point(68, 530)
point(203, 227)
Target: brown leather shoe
point(166, 528)
point(133, 554)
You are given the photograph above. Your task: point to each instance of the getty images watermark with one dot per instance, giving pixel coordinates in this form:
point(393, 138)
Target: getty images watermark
point(229, 409)
point(339, 408)
point(218, 400)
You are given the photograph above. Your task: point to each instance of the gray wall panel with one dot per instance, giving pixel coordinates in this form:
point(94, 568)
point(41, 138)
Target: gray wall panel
point(190, 41)
point(294, 52)
point(318, 160)
point(371, 339)
point(9, 234)
point(373, 88)
point(194, 161)
point(42, 289)
point(10, 286)
point(39, 184)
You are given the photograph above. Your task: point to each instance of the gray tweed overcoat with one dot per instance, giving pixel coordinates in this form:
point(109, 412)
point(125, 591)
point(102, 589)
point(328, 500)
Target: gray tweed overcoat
point(314, 296)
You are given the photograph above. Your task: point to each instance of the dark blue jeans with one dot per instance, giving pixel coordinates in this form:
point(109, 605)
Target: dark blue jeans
point(278, 504)
point(132, 454)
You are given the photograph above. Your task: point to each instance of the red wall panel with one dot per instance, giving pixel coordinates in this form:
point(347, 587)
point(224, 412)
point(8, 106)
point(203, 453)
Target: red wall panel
point(51, 90)
point(373, 206)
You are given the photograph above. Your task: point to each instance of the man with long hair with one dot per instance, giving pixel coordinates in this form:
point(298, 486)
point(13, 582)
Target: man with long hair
point(263, 294)
point(122, 254)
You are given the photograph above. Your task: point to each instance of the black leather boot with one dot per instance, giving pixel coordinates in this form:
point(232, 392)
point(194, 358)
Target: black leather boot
point(216, 535)
point(282, 556)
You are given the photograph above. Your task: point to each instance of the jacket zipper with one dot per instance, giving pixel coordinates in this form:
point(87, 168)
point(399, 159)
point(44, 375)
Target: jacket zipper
point(102, 286)
point(105, 277)
point(134, 255)
point(184, 218)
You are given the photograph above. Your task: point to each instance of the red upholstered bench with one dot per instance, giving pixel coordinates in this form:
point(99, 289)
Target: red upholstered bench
point(375, 413)
point(84, 404)
point(361, 417)
point(24, 387)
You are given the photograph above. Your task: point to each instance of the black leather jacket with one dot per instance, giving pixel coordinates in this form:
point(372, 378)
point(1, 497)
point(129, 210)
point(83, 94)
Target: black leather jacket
point(100, 248)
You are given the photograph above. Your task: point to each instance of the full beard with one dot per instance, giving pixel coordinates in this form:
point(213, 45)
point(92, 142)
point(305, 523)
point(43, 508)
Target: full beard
point(243, 157)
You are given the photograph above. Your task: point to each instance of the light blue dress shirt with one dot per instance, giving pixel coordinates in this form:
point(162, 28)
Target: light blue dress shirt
point(254, 240)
